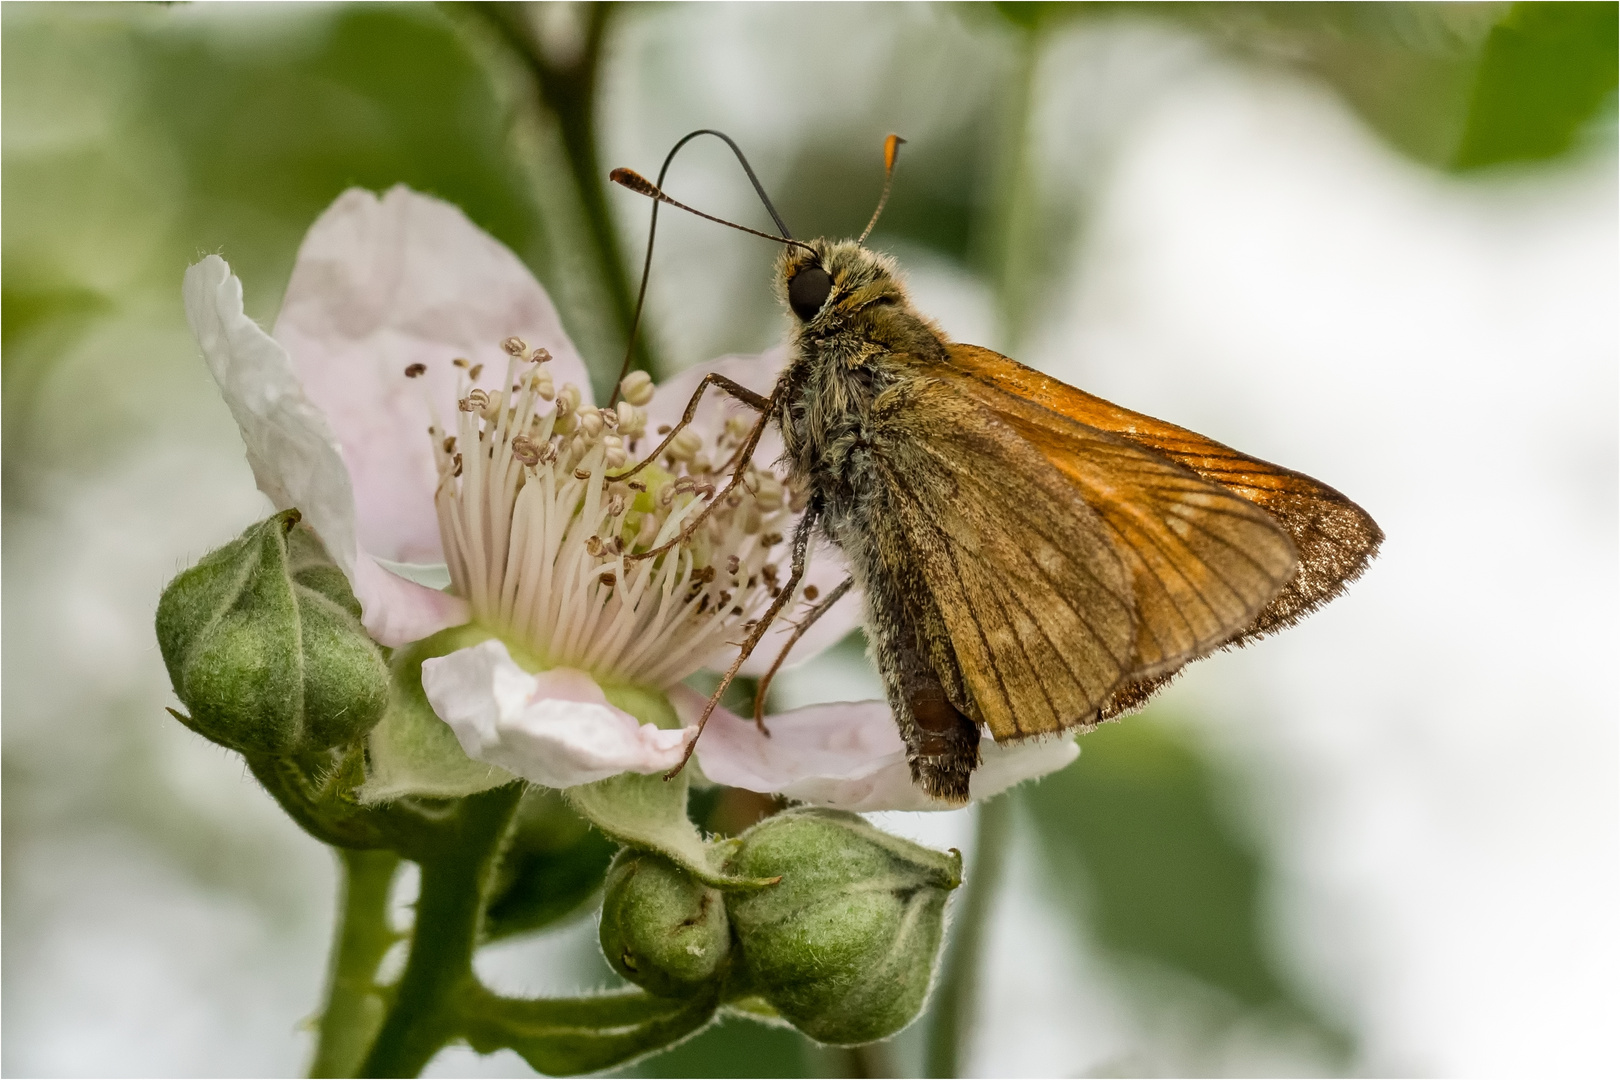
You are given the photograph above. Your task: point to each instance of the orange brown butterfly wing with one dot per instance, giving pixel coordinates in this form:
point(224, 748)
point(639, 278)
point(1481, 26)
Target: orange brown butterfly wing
point(1203, 562)
point(1018, 598)
point(1335, 539)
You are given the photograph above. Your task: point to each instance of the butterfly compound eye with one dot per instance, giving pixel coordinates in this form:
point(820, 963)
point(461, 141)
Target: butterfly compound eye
point(808, 291)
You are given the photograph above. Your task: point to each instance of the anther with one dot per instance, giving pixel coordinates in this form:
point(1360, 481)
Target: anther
point(475, 371)
point(664, 429)
point(636, 388)
point(582, 474)
point(525, 450)
point(811, 592)
point(413, 370)
point(608, 578)
point(594, 547)
point(515, 346)
point(771, 539)
point(636, 485)
point(540, 355)
point(449, 444)
point(733, 564)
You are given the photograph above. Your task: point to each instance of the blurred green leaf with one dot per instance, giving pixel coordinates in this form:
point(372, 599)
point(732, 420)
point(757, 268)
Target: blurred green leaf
point(734, 1047)
point(551, 869)
point(1546, 70)
point(1135, 833)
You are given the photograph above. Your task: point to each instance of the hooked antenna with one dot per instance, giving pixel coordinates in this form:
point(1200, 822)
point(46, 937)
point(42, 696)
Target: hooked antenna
point(891, 151)
point(642, 186)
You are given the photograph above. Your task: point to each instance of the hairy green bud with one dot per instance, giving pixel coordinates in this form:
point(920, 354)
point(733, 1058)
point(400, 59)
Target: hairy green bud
point(264, 646)
point(844, 947)
point(661, 928)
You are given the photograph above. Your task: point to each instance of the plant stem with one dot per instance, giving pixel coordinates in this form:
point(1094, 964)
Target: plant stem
point(956, 1000)
point(568, 86)
point(448, 916)
point(354, 1009)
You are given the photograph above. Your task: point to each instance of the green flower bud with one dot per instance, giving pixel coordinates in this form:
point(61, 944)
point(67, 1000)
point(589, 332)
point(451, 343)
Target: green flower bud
point(844, 947)
point(263, 643)
point(663, 929)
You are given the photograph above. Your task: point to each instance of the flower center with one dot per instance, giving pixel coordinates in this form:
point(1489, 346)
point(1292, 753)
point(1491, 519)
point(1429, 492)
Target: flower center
point(538, 532)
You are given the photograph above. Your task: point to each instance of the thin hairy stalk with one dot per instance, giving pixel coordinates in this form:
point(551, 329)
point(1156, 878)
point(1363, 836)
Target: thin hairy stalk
point(455, 879)
point(354, 1006)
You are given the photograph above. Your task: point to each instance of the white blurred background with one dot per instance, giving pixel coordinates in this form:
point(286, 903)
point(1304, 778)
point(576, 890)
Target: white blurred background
point(1428, 766)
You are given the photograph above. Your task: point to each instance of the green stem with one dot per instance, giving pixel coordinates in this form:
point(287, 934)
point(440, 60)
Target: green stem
point(449, 910)
point(956, 999)
point(354, 1007)
point(568, 87)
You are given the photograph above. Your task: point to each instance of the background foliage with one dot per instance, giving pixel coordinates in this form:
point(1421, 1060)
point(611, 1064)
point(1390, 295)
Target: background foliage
point(138, 137)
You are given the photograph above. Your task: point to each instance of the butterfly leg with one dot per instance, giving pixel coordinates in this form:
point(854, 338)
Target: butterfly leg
point(744, 455)
point(809, 620)
point(731, 386)
point(801, 547)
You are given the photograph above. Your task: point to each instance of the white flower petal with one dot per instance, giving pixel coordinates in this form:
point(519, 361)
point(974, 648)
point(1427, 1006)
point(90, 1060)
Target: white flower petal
point(383, 283)
point(827, 567)
point(847, 755)
point(295, 456)
point(555, 728)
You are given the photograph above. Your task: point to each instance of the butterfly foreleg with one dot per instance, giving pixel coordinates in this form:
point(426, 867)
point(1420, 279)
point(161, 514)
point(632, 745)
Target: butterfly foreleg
point(757, 402)
point(804, 624)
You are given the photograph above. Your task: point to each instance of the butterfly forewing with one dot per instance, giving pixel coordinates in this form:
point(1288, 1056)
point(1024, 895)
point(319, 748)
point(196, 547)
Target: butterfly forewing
point(1334, 539)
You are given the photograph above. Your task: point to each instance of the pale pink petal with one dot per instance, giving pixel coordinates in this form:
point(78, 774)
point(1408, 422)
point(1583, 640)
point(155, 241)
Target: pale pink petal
point(294, 454)
point(384, 283)
point(555, 728)
point(826, 568)
point(756, 371)
point(847, 755)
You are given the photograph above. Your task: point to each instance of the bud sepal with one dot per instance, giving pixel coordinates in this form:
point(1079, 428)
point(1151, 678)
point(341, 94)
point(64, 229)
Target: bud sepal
point(844, 947)
point(264, 647)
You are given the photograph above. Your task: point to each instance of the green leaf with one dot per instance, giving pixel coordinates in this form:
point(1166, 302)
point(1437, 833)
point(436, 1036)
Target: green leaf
point(567, 1036)
point(552, 866)
point(1135, 832)
point(1545, 71)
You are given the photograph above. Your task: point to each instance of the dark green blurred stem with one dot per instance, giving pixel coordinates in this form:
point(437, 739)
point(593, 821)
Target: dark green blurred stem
point(956, 1000)
point(354, 1008)
point(449, 910)
point(568, 85)
point(1017, 228)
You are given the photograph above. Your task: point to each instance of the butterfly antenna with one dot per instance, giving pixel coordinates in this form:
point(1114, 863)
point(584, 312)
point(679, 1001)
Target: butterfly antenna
point(652, 230)
point(891, 151)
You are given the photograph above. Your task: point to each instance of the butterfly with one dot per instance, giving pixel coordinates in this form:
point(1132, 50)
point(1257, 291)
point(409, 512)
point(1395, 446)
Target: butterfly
point(1033, 559)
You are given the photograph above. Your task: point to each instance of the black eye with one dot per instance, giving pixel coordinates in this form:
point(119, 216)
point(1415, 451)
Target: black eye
point(808, 291)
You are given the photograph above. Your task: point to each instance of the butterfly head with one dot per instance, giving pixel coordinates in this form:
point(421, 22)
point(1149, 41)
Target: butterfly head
point(834, 286)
